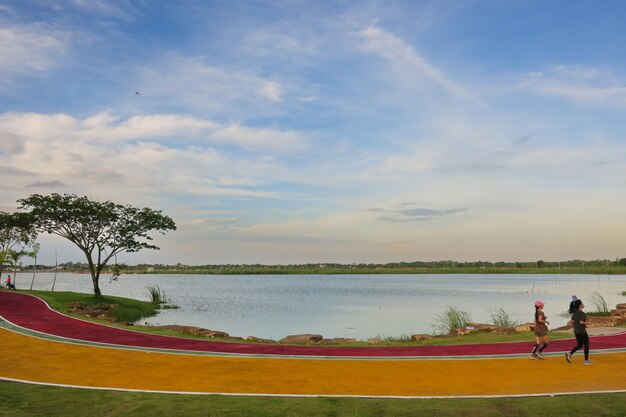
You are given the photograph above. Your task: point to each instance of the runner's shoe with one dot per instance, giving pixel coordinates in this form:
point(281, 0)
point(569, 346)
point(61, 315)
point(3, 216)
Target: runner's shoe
point(539, 355)
point(588, 362)
point(568, 357)
point(535, 356)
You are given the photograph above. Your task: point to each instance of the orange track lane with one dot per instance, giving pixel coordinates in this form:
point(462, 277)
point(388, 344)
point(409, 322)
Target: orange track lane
point(45, 361)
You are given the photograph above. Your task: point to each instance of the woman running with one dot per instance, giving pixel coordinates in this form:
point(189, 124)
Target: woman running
point(579, 321)
point(541, 331)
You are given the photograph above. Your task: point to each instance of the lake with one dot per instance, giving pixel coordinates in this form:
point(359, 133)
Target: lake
point(357, 306)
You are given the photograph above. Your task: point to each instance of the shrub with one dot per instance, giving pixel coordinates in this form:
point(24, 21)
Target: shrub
point(451, 319)
point(157, 295)
point(599, 303)
point(502, 318)
point(131, 314)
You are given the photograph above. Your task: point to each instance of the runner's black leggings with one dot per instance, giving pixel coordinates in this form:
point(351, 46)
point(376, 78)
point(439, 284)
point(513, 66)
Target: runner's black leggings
point(583, 340)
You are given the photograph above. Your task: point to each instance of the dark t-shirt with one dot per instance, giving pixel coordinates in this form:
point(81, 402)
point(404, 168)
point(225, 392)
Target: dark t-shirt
point(577, 317)
point(539, 326)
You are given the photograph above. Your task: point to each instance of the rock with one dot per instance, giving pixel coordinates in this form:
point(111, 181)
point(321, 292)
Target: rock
point(619, 312)
point(260, 340)
point(210, 333)
point(338, 341)
point(196, 331)
point(302, 338)
point(604, 321)
point(481, 327)
point(621, 306)
point(420, 337)
point(375, 340)
point(173, 327)
point(526, 327)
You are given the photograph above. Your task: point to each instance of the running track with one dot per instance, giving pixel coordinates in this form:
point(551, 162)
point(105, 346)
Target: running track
point(50, 348)
point(32, 313)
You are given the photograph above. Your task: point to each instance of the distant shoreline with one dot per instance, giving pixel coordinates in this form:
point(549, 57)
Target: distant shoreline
point(346, 270)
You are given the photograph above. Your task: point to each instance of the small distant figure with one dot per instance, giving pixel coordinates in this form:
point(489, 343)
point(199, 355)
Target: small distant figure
point(137, 92)
point(579, 321)
point(10, 285)
point(541, 331)
point(571, 305)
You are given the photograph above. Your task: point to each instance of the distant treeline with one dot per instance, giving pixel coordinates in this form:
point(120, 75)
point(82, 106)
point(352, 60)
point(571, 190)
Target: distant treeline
point(598, 266)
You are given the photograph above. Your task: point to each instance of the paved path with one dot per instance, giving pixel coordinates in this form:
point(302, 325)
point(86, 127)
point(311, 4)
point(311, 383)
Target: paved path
point(50, 348)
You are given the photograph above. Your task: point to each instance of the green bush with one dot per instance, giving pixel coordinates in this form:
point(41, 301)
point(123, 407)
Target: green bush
point(157, 295)
point(131, 314)
point(451, 319)
point(502, 318)
point(599, 303)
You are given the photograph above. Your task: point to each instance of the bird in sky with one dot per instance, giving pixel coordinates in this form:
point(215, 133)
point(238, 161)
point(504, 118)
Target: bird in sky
point(137, 92)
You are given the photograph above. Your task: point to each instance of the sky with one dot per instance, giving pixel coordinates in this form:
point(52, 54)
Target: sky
point(279, 132)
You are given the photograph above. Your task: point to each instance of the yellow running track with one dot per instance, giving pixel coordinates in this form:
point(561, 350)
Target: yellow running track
point(45, 361)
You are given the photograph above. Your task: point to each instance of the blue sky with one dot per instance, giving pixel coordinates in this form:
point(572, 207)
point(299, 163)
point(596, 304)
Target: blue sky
point(335, 131)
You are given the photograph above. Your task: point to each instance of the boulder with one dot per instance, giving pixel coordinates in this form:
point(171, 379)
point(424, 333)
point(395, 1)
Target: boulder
point(173, 327)
point(481, 327)
point(302, 338)
point(196, 331)
point(260, 340)
point(619, 312)
point(526, 327)
point(621, 306)
point(338, 341)
point(420, 337)
point(375, 340)
point(604, 321)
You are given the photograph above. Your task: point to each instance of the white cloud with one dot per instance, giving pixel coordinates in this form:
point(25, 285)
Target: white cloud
point(578, 84)
point(417, 162)
point(207, 89)
point(29, 49)
point(106, 8)
point(408, 63)
point(107, 128)
point(121, 159)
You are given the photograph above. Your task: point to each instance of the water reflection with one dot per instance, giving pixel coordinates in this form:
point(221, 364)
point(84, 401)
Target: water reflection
point(358, 306)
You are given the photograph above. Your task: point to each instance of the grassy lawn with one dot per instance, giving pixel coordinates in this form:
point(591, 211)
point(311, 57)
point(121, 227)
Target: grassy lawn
point(31, 400)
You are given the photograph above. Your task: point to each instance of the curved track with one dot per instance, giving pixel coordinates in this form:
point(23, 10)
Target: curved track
point(51, 348)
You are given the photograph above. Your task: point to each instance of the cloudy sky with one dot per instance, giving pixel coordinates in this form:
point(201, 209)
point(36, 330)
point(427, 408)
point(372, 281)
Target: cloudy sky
point(278, 131)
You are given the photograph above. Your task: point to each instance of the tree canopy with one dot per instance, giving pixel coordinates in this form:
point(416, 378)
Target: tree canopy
point(16, 229)
point(100, 229)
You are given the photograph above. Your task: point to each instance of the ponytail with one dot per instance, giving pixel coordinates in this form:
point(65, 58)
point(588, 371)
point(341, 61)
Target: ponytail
point(536, 314)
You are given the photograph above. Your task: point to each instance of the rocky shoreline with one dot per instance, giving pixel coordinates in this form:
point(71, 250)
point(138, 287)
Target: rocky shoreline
point(99, 311)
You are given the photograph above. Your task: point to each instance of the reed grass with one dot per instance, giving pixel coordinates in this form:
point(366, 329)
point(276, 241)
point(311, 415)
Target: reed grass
point(157, 295)
point(451, 319)
point(599, 303)
point(500, 317)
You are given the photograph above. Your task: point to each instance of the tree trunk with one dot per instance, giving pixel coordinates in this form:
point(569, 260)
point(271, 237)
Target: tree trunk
point(96, 285)
point(95, 276)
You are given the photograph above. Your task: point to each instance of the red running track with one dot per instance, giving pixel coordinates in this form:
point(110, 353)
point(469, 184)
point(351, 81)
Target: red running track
point(33, 313)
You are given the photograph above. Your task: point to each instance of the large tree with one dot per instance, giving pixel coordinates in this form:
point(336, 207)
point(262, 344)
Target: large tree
point(16, 230)
point(100, 229)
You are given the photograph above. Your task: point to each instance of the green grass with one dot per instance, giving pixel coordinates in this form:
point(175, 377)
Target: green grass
point(34, 401)
point(124, 310)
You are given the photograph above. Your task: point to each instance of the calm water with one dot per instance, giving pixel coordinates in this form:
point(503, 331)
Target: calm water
point(358, 306)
